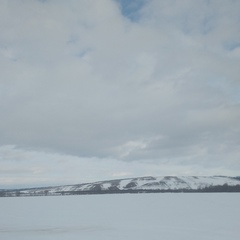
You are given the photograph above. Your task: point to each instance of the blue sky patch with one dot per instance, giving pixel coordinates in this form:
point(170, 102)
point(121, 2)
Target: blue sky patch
point(231, 45)
point(131, 8)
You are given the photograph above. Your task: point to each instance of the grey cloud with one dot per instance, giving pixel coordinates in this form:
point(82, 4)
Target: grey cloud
point(80, 79)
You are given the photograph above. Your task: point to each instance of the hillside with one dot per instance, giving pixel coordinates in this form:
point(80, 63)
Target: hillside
point(137, 185)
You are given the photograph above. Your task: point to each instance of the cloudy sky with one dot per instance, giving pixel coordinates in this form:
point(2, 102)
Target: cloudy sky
point(104, 89)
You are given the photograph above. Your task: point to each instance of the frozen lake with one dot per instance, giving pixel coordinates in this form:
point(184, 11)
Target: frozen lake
point(214, 216)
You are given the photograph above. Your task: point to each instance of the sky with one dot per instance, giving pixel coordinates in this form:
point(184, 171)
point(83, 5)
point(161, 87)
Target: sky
point(104, 89)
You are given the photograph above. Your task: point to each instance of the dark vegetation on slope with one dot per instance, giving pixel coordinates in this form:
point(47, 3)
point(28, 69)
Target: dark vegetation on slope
point(115, 190)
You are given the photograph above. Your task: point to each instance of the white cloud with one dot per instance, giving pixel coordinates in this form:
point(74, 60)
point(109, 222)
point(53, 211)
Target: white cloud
point(28, 168)
point(79, 78)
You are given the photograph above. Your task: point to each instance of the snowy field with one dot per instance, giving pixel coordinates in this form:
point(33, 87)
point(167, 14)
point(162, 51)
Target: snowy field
point(124, 216)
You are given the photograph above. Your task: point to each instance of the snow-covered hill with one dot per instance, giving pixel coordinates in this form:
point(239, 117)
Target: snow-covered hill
point(141, 184)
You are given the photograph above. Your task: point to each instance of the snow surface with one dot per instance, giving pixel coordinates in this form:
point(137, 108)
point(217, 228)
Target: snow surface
point(187, 182)
point(168, 216)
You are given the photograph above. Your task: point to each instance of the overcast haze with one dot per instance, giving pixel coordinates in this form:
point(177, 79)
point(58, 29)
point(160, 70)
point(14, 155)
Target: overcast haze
point(102, 89)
